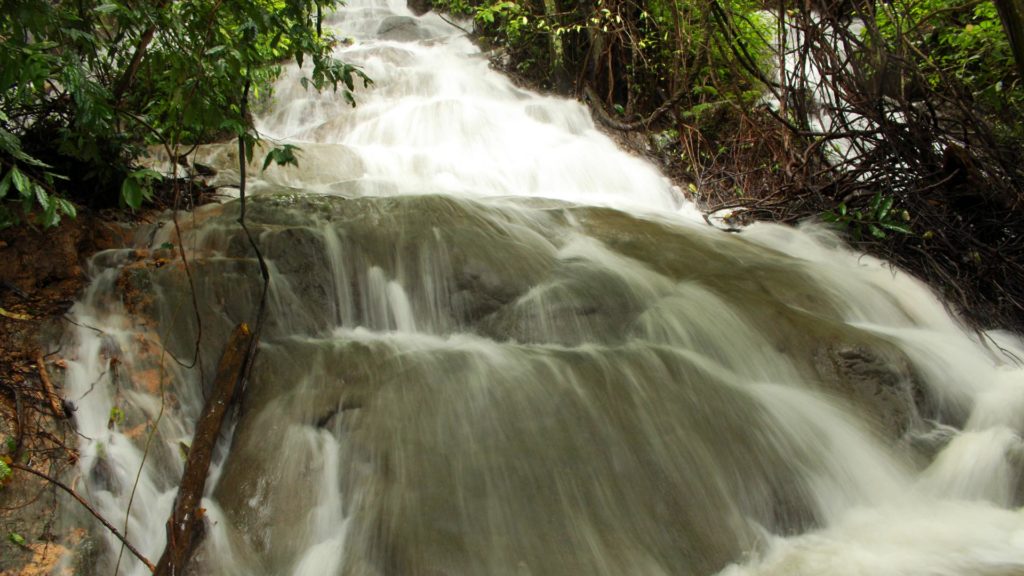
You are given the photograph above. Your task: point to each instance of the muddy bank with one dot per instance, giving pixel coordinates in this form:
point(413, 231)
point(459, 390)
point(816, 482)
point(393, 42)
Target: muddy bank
point(42, 272)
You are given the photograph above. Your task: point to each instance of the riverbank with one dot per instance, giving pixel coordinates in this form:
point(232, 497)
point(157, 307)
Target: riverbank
point(43, 272)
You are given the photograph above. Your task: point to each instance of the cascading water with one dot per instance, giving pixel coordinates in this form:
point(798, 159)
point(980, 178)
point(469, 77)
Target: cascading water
point(498, 345)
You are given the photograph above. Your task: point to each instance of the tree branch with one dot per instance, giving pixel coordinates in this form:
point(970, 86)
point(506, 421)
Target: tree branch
point(86, 505)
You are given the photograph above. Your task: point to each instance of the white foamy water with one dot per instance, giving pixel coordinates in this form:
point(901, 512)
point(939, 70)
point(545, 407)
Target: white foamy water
point(496, 344)
point(439, 120)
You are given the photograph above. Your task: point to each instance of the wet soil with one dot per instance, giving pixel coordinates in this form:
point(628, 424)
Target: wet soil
point(42, 272)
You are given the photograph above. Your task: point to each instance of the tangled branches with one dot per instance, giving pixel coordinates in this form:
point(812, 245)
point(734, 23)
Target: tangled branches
point(868, 113)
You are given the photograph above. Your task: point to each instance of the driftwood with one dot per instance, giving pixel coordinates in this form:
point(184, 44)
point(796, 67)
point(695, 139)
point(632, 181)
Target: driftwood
point(185, 526)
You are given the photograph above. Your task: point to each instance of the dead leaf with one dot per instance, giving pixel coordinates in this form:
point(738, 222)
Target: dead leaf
point(14, 315)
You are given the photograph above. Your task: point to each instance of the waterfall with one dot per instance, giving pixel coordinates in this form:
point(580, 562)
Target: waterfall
point(497, 344)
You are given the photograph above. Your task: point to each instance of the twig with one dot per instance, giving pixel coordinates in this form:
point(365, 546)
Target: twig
point(81, 325)
point(86, 505)
point(19, 443)
point(56, 404)
point(149, 438)
point(467, 32)
point(264, 270)
point(92, 385)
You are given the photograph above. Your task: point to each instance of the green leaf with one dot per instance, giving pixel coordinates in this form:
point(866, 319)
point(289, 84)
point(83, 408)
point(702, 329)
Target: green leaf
point(17, 539)
point(21, 182)
point(106, 8)
point(116, 416)
point(876, 231)
point(885, 208)
point(876, 201)
point(902, 229)
point(11, 144)
point(5, 184)
point(66, 207)
point(49, 206)
point(146, 174)
point(282, 156)
point(131, 193)
point(5, 470)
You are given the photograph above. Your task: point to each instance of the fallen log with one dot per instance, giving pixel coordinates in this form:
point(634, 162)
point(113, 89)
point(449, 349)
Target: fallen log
point(185, 526)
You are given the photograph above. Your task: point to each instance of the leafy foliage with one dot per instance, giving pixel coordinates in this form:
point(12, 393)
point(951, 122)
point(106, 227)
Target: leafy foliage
point(629, 52)
point(5, 470)
point(138, 187)
point(87, 84)
point(877, 220)
point(962, 39)
point(286, 155)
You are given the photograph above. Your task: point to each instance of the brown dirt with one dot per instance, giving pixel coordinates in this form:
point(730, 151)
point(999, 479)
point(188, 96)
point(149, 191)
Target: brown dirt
point(41, 274)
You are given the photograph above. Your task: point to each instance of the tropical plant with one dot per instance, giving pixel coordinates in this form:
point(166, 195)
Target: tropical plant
point(878, 219)
point(86, 85)
point(633, 55)
point(962, 39)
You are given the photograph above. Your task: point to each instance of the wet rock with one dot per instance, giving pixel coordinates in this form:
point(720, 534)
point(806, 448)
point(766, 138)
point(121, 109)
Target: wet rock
point(339, 262)
point(420, 433)
point(453, 260)
point(103, 477)
point(401, 29)
point(333, 162)
point(930, 438)
point(419, 7)
point(1015, 458)
point(883, 384)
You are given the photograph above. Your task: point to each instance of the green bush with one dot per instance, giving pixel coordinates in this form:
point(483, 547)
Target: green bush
point(634, 54)
point(86, 85)
point(962, 40)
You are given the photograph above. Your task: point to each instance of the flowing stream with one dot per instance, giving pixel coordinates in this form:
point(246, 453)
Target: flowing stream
point(497, 345)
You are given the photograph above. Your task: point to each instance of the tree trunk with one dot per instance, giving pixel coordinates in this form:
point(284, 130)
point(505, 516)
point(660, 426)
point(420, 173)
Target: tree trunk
point(1011, 12)
point(559, 75)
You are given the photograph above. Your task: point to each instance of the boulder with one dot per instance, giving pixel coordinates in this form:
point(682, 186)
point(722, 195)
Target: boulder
point(419, 7)
point(401, 29)
point(882, 384)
